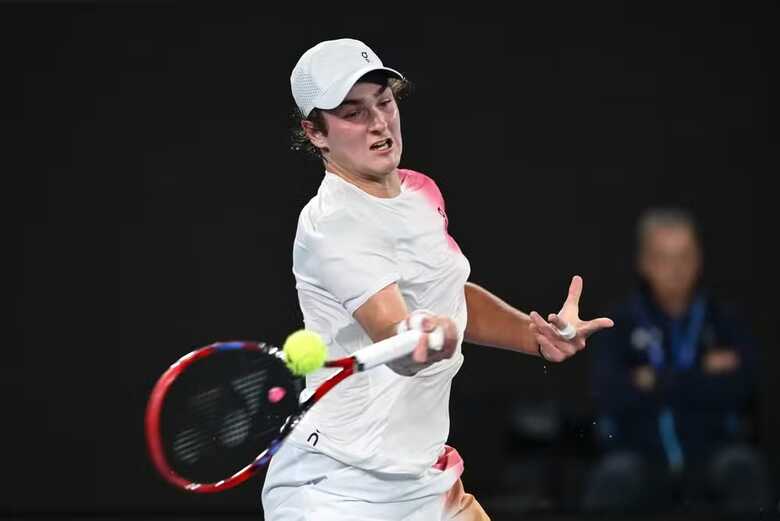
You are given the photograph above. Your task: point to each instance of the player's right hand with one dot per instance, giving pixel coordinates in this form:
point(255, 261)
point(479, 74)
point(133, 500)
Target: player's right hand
point(423, 355)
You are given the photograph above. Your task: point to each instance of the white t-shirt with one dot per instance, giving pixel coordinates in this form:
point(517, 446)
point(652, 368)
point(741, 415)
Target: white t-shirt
point(349, 245)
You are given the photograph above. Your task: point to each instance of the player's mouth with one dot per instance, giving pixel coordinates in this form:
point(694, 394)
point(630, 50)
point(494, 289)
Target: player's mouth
point(383, 145)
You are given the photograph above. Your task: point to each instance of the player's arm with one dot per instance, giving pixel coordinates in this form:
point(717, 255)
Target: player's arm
point(382, 313)
point(495, 323)
point(492, 322)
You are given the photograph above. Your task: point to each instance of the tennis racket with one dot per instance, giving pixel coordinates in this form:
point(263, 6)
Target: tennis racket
point(217, 415)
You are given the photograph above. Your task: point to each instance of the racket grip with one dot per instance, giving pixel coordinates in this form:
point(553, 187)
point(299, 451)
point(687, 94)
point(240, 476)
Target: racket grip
point(436, 339)
point(415, 321)
point(395, 347)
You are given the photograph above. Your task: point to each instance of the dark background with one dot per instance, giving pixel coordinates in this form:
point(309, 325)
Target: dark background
point(153, 197)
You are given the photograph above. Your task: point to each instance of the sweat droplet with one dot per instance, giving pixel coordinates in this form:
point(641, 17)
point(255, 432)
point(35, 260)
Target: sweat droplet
point(275, 394)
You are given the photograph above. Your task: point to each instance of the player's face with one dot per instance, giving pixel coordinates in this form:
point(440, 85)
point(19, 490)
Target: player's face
point(364, 132)
point(670, 260)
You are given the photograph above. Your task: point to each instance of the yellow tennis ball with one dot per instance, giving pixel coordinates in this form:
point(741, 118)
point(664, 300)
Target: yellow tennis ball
point(305, 352)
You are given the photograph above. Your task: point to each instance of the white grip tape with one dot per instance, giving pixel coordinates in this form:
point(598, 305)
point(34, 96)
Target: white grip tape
point(402, 344)
point(415, 320)
point(436, 339)
point(388, 349)
point(568, 332)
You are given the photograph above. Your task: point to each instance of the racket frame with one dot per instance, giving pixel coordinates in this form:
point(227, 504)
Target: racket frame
point(371, 356)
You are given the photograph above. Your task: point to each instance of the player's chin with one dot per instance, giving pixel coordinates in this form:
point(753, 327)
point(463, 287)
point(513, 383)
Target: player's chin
point(385, 162)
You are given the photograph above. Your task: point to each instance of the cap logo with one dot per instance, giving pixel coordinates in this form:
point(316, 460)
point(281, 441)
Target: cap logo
point(364, 54)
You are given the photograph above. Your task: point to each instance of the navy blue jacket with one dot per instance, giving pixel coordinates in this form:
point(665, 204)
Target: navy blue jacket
point(688, 412)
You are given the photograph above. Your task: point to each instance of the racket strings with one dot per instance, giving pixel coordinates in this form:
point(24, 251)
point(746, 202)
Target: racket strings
point(221, 415)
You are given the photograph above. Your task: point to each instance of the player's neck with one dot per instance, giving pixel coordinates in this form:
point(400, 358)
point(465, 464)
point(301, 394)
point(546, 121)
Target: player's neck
point(384, 185)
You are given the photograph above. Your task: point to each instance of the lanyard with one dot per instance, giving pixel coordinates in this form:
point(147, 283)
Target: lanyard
point(684, 338)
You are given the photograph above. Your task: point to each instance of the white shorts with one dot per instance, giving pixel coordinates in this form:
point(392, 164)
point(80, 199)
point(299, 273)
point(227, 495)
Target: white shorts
point(303, 485)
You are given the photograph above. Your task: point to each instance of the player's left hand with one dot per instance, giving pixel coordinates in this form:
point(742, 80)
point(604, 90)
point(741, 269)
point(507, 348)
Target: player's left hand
point(555, 346)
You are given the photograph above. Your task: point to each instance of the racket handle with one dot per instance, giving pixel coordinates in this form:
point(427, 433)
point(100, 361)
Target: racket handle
point(396, 347)
point(415, 321)
point(436, 339)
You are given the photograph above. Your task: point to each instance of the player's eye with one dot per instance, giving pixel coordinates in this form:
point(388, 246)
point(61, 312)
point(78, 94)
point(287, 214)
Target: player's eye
point(352, 114)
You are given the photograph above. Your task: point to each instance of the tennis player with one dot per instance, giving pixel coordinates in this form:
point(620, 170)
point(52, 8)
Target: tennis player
point(372, 250)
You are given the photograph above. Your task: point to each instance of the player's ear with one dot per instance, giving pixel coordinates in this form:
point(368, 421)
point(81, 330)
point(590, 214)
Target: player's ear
point(316, 137)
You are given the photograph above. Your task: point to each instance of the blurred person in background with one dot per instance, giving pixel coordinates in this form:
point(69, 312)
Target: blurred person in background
point(674, 386)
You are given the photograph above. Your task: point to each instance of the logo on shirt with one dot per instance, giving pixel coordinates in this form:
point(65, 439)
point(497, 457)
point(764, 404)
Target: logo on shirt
point(443, 215)
point(314, 437)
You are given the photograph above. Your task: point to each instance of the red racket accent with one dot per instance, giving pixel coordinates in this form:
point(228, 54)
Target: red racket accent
point(154, 407)
point(157, 397)
point(347, 368)
point(364, 359)
point(152, 421)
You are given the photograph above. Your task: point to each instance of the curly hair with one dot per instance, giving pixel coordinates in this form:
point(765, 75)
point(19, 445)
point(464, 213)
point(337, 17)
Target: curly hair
point(400, 88)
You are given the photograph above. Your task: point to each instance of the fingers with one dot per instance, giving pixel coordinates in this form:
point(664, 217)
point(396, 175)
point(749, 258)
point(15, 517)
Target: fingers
point(450, 339)
point(450, 334)
point(545, 333)
point(565, 329)
point(542, 326)
point(575, 291)
point(420, 353)
point(547, 329)
point(592, 326)
point(549, 351)
point(603, 322)
point(554, 343)
point(423, 353)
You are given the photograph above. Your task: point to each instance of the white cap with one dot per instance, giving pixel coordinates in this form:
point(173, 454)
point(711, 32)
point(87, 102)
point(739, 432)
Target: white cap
point(325, 73)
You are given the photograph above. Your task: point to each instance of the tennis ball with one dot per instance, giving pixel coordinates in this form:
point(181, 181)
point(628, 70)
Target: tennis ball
point(305, 352)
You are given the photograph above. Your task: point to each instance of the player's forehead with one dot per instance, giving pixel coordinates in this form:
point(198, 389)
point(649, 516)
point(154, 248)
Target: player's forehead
point(365, 92)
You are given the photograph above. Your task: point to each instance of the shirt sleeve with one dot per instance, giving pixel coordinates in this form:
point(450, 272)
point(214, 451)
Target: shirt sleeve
point(349, 256)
